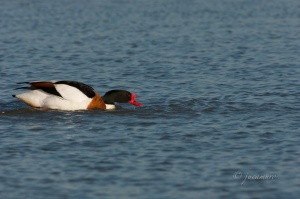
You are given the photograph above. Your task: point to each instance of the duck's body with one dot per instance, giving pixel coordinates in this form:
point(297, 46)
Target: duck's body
point(72, 95)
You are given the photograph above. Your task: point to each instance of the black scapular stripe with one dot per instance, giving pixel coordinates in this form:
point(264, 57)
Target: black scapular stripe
point(51, 90)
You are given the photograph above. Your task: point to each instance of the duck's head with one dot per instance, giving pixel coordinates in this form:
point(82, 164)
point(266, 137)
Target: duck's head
point(120, 96)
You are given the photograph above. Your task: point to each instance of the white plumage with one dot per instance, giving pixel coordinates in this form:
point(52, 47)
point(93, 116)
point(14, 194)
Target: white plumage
point(39, 98)
point(71, 93)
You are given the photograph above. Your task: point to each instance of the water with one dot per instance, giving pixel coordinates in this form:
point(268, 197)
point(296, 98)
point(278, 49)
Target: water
point(220, 84)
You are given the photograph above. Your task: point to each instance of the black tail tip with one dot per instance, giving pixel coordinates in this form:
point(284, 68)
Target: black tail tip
point(14, 95)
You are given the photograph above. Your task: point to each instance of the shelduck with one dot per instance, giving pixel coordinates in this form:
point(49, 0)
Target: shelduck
point(71, 95)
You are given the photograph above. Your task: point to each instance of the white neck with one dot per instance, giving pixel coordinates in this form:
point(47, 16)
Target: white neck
point(110, 106)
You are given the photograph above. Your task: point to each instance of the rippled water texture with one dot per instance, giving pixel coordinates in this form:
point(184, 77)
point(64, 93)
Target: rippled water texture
point(220, 84)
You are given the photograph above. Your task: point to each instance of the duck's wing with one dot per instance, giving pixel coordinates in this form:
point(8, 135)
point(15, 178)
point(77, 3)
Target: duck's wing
point(46, 86)
point(69, 90)
point(73, 86)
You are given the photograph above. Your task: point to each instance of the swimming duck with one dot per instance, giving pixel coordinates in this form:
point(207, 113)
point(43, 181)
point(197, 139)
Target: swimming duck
point(72, 95)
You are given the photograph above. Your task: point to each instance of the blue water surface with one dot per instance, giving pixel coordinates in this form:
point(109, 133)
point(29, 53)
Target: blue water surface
point(219, 80)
